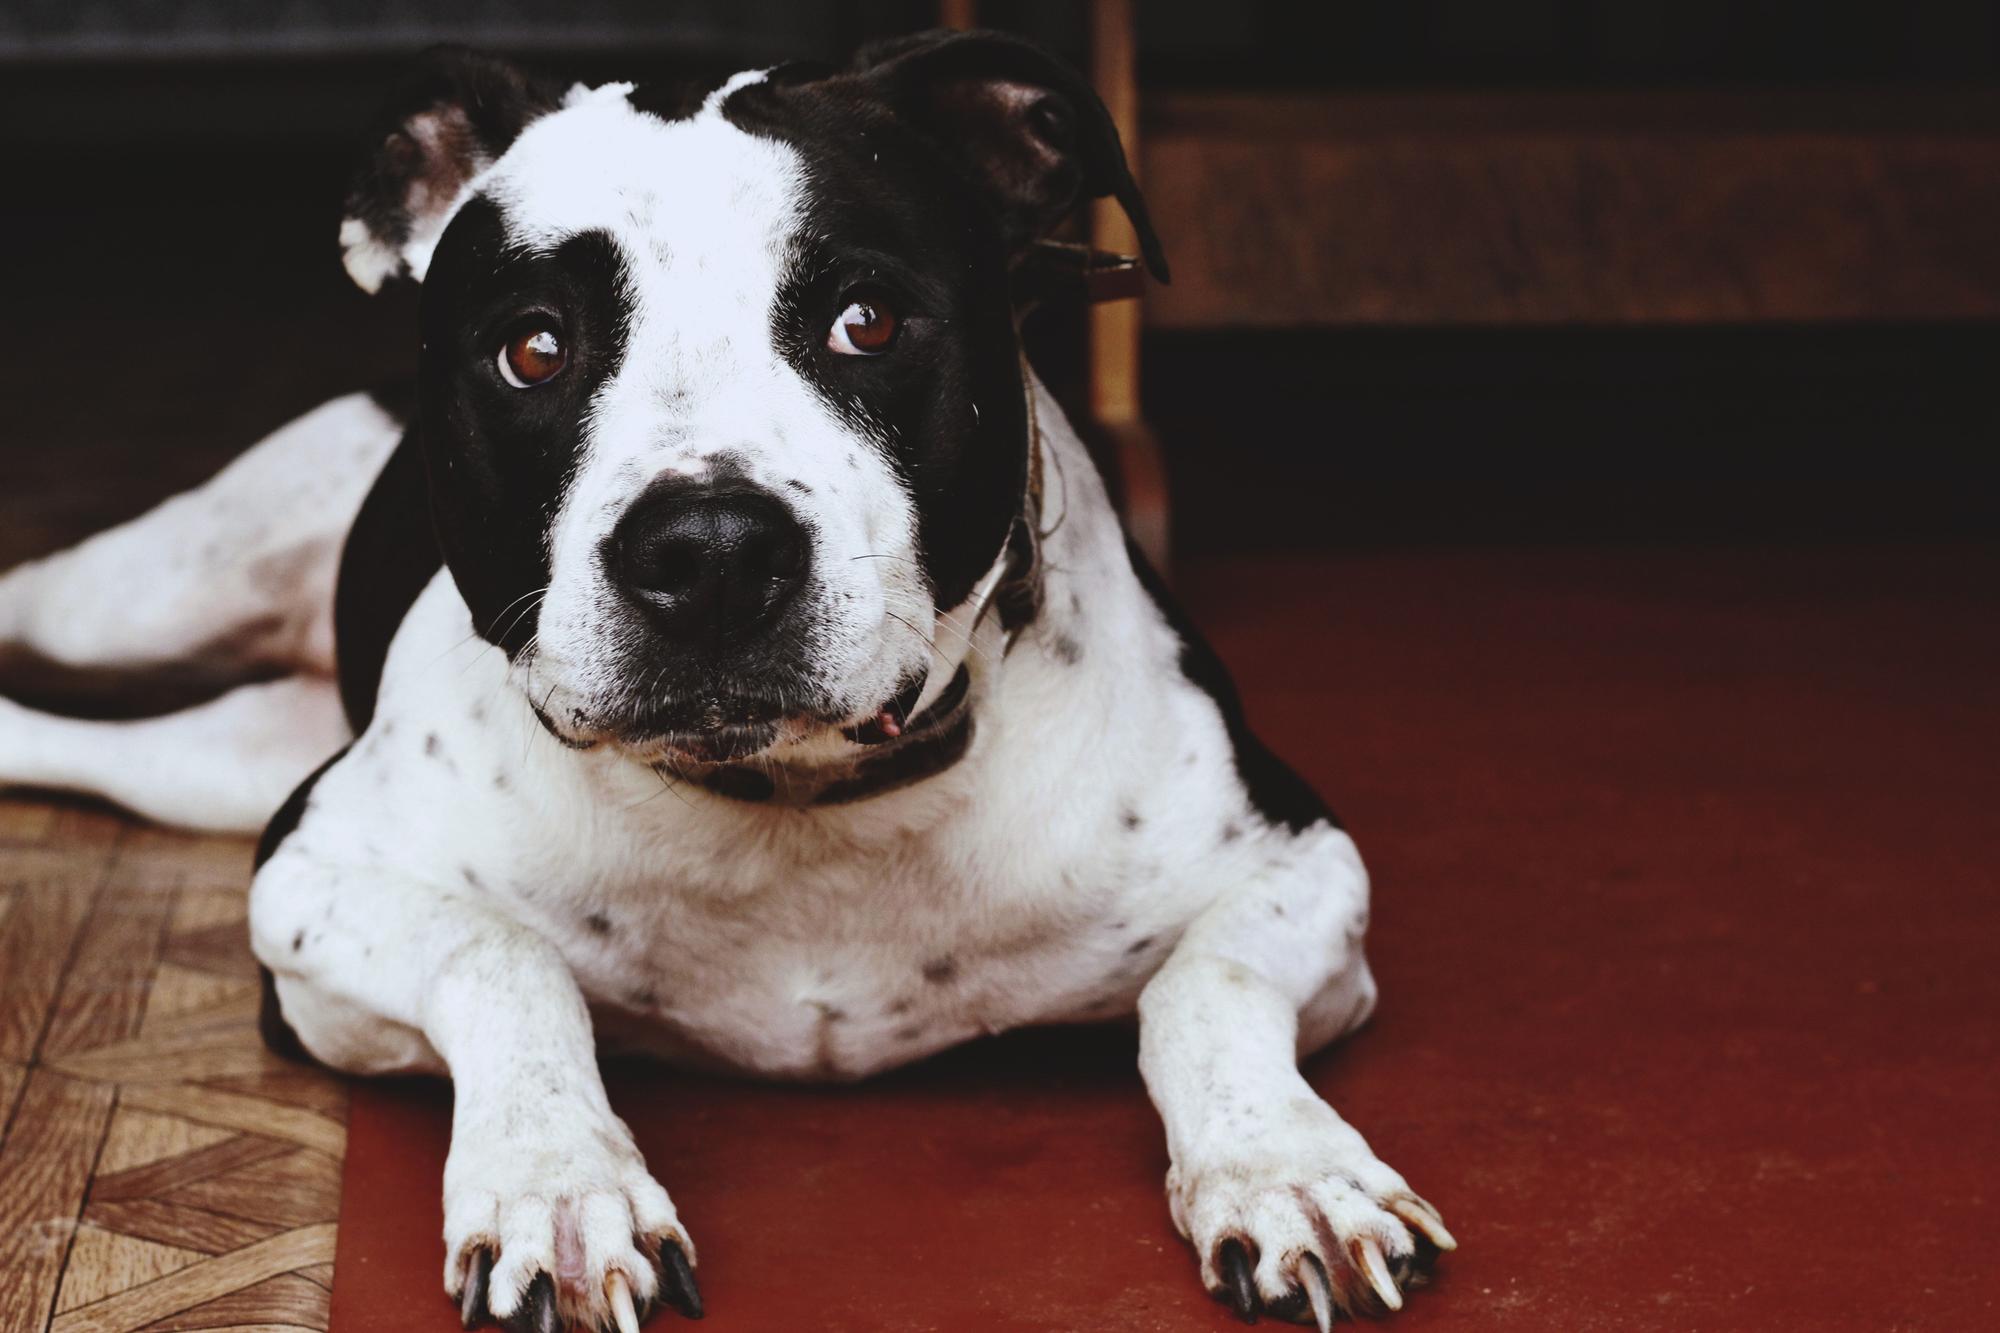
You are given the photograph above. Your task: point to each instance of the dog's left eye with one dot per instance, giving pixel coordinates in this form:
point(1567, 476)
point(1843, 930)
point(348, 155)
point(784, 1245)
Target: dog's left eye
point(533, 356)
point(866, 328)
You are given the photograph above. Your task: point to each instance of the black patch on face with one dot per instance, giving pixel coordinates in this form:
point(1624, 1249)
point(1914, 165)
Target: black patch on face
point(889, 215)
point(499, 457)
point(1276, 792)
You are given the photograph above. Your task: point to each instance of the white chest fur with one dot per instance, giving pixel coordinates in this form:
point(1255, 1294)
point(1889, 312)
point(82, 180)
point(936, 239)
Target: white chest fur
point(1043, 878)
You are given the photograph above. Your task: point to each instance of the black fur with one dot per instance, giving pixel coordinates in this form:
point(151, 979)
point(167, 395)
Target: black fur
point(1279, 794)
point(390, 554)
point(271, 1025)
point(938, 160)
point(476, 105)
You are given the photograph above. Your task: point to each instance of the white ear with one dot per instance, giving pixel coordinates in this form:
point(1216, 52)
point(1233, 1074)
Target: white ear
point(455, 114)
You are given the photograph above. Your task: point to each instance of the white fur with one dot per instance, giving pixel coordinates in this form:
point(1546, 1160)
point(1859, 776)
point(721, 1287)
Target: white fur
point(464, 894)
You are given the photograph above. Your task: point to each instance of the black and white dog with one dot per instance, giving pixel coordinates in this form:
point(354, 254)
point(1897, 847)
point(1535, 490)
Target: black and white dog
point(734, 654)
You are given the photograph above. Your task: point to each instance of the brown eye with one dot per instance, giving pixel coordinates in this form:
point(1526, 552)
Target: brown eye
point(533, 356)
point(865, 328)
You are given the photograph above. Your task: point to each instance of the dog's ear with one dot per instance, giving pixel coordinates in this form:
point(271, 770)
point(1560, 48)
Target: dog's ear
point(454, 113)
point(1028, 128)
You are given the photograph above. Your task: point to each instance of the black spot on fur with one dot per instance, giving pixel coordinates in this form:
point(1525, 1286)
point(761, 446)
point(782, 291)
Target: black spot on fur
point(940, 970)
point(598, 923)
point(298, 941)
point(1131, 819)
point(1067, 650)
point(433, 746)
point(1231, 831)
point(1140, 945)
point(471, 877)
point(901, 1007)
point(799, 486)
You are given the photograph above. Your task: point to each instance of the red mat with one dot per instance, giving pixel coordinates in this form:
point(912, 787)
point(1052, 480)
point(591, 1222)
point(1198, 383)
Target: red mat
point(1688, 932)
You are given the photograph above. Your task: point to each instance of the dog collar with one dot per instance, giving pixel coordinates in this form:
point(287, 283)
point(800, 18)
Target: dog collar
point(931, 742)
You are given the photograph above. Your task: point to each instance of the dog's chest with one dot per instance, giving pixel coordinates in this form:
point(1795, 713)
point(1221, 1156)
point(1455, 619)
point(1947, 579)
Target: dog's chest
point(838, 966)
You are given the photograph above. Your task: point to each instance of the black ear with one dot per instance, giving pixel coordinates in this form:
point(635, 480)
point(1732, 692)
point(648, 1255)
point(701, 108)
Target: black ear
point(454, 113)
point(1029, 129)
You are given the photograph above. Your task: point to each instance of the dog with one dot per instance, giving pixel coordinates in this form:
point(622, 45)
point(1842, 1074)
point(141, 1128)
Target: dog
point(731, 652)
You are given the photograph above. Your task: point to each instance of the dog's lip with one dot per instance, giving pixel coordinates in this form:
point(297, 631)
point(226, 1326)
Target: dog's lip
point(887, 722)
point(727, 743)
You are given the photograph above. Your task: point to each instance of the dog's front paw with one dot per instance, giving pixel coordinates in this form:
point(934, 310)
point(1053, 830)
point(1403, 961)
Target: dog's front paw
point(562, 1228)
point(1298, 1219)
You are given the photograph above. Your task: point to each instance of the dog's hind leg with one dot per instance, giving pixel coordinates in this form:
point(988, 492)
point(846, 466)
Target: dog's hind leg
point(231, 581)
point(224, 766)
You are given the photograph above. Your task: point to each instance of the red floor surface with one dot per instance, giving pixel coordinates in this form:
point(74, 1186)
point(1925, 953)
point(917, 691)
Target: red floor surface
point(1688, 931)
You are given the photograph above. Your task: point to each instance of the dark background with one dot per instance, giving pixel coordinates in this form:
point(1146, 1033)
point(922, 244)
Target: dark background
point(174, 173)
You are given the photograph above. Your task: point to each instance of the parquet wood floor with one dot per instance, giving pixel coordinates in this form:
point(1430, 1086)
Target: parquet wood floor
point(159, 1169)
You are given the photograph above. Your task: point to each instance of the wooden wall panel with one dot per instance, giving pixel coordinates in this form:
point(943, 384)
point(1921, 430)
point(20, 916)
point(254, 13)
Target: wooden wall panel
point(1667, 209)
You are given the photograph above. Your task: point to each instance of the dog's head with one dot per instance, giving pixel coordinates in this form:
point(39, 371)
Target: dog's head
point(721, 394)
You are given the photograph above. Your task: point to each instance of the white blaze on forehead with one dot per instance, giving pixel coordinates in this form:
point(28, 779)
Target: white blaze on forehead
point(602, 164)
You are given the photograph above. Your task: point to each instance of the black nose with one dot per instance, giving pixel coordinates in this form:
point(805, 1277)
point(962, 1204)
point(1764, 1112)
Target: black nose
point(709, 568)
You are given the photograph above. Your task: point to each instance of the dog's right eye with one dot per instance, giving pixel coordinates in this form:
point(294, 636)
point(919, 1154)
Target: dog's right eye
point(533, 356)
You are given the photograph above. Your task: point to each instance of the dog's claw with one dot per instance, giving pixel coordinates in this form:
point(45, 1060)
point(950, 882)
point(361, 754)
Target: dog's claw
point(537, 1311)
point(1367, 1256)
point(1423, 1219)
point(1234, 1261)
point(677, 1285)
point(1312, 1276)
point(472, 1310)
point(619, 1296)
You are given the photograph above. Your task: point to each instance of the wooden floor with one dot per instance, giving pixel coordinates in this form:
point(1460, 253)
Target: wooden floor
point(158, 1168)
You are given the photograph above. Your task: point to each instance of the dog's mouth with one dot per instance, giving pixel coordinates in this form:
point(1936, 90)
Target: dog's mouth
point(727, 731)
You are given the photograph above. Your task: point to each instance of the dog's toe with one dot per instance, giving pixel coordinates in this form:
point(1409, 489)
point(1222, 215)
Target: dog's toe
point(1305, 1228)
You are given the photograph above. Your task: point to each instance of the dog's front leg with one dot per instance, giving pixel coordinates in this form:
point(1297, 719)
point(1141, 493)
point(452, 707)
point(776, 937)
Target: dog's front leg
point(1288, 1209)
point(551, 1217)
